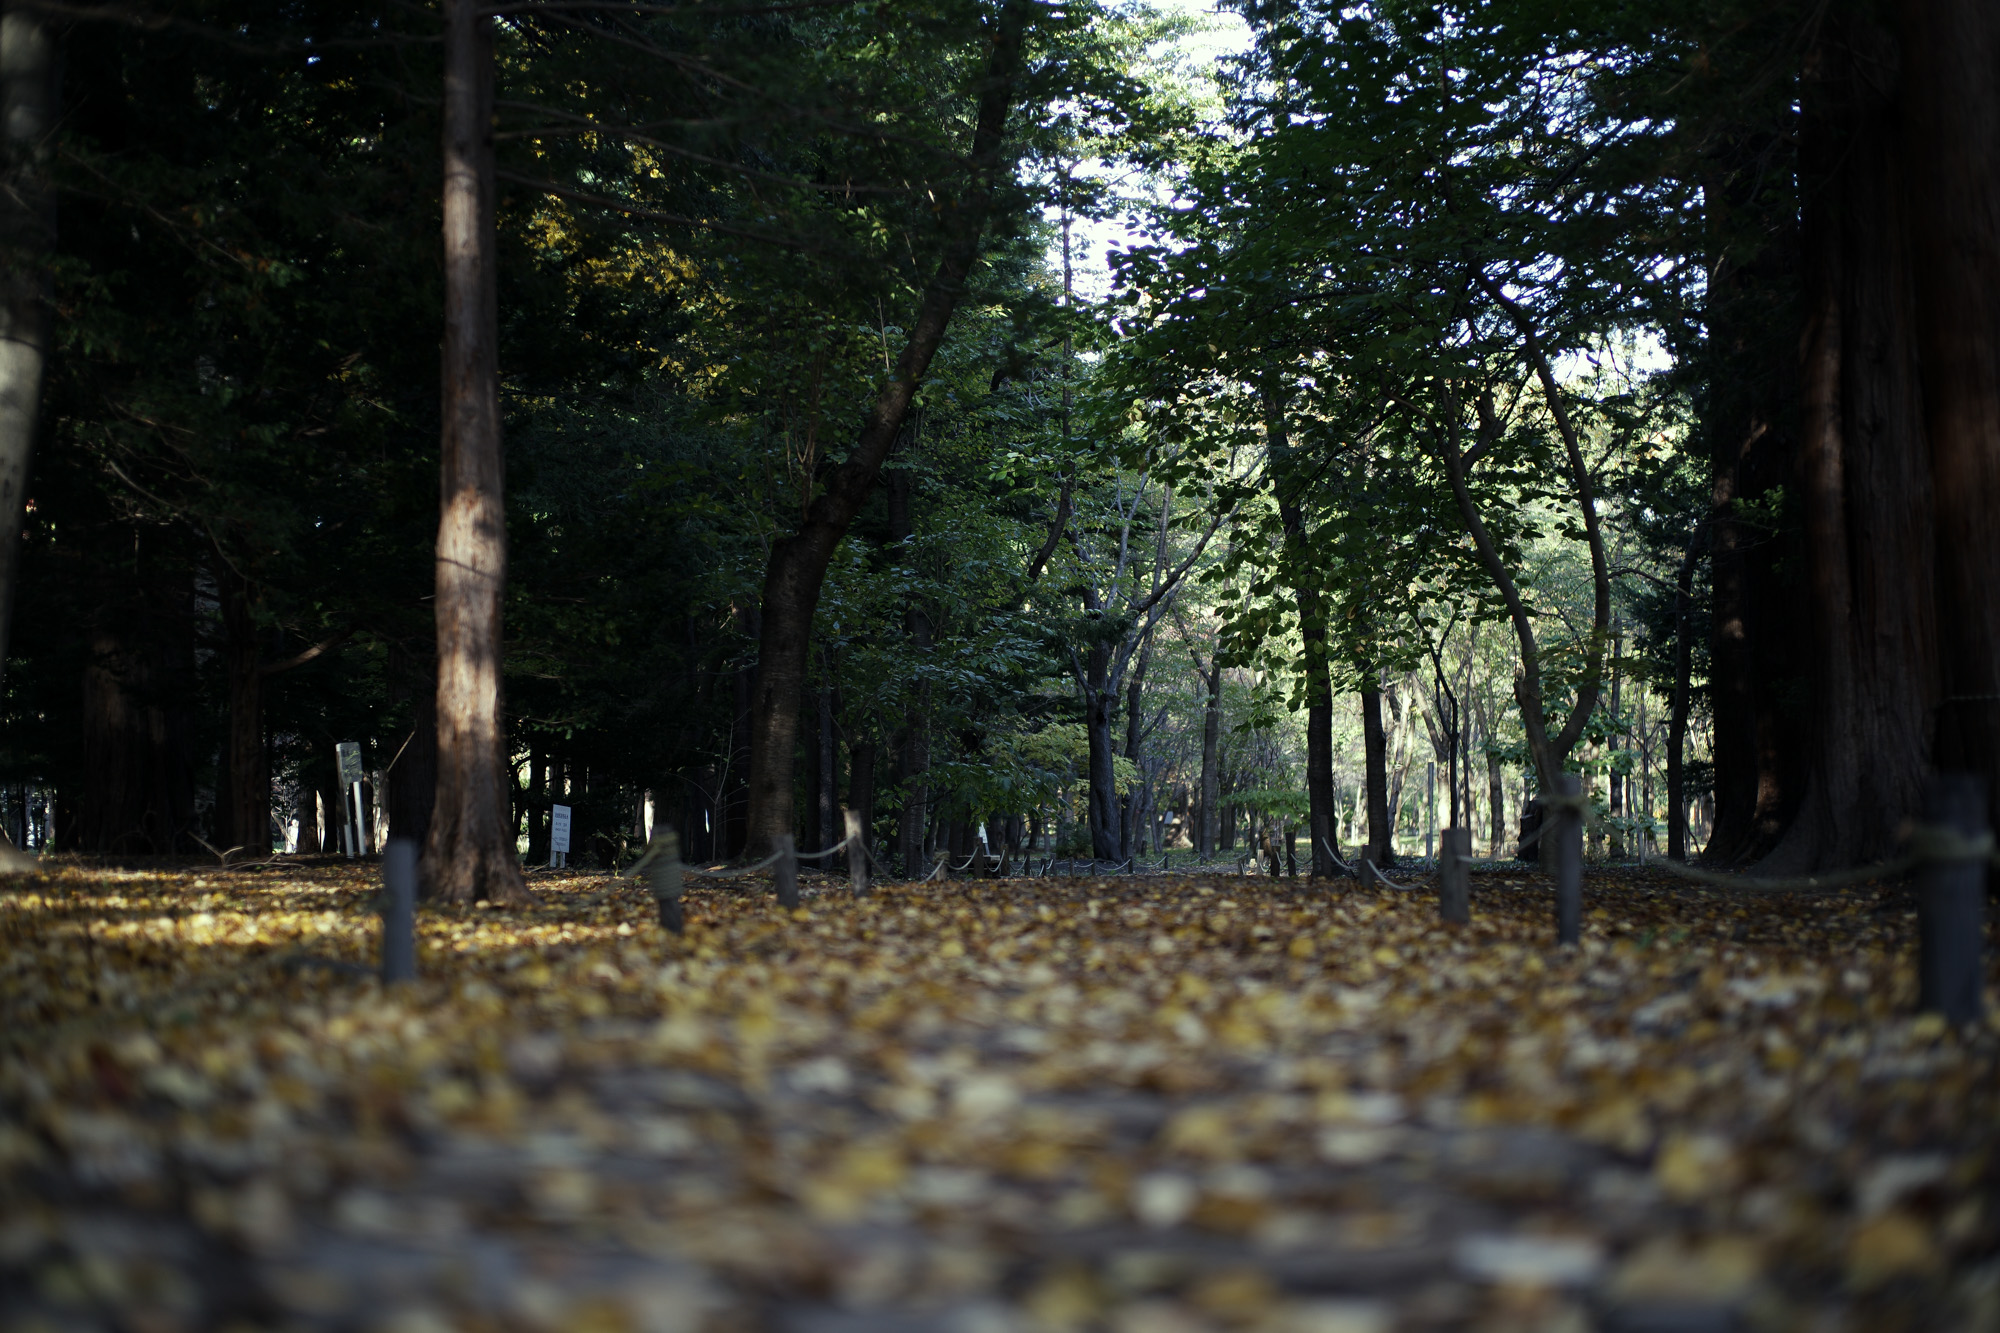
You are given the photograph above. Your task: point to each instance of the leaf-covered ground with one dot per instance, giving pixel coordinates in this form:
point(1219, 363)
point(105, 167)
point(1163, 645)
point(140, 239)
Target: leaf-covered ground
point(1152, 1105)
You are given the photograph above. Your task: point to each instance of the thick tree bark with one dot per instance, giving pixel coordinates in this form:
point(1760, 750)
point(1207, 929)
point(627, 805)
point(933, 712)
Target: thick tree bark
point(1375, 748)
point(1864, 478)
point(798, 563)
point(470, 853)
point(30, 63)
point(1951, 145)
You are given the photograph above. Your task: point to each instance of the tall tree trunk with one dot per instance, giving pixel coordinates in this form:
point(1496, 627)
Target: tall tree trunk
point(1312, 630)
point(247, 793)
point(30, 64)
point(1496, 796)
point(1951, 120)
point(1208, 841)
point(1749, 411)
point(798, 563)
point(1615, 744)
point(470, 853)
point(1100, 712)
point(914, 818)
point(1864, 474)
point(1677, 708)
point(1131, 804)
point(1375, 747)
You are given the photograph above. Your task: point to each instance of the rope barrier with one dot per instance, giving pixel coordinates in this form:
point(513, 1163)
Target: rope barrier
point(733, 872)
point(1791, 884)
point(1383, 879)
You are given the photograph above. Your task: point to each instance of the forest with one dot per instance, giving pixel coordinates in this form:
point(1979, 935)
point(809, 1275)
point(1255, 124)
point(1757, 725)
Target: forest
point(996, 425)
point(999, 666)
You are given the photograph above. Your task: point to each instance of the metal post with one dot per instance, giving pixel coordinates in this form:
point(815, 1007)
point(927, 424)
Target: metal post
point(399, 911)
point(1568, 834)
point(1455, 883)
point(664, 876)
point(786, 871)
point(857, 853)
point(1951, 903)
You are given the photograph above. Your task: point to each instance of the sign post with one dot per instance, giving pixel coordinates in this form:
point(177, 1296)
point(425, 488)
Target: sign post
point(558, 835)
point(349, 754)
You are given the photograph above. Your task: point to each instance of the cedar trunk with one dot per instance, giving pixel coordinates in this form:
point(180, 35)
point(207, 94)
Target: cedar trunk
point(1750, 416)
point(1864, 477)
point(470, 853)
point(1951, 144)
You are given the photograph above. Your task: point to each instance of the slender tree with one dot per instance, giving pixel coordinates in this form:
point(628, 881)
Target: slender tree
point(798, 563)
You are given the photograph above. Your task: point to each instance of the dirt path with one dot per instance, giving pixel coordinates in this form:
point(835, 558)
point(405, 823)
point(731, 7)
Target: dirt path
point(1143, 1105)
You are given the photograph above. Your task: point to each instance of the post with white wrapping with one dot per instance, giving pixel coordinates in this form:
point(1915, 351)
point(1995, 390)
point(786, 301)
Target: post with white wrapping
point(857, 854)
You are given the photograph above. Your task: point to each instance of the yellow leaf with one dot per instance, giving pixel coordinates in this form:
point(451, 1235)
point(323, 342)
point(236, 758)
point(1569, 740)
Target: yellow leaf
point(1893, 1245)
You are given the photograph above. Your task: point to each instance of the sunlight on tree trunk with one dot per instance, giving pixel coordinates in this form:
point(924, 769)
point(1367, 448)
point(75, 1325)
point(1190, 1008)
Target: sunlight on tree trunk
point(470, 853)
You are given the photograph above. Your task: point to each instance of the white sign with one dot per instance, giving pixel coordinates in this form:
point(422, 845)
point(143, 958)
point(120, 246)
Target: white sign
point(349, 753)
point(559, 828)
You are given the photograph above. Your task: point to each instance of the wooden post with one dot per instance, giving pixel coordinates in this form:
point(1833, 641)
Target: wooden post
point(665, 879)
point(1455, 883)
point(399, 911)
point(1951, 904)
point(857, 854)
point(786, 871)
point(1568, 833)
